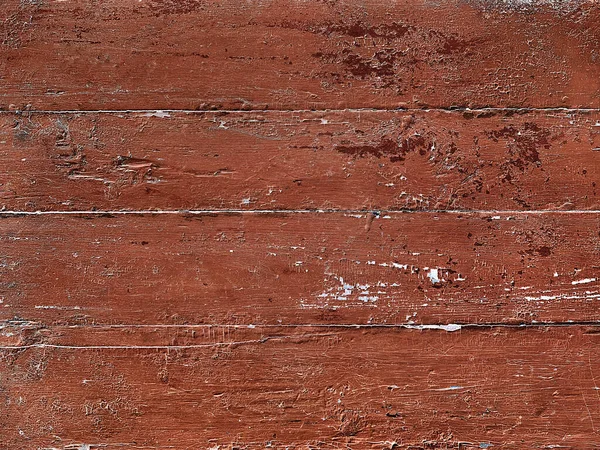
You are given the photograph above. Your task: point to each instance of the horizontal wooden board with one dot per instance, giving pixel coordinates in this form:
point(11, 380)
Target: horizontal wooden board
point(308, 388)
point(289, 54)
point(300, 268)
point(301, 160)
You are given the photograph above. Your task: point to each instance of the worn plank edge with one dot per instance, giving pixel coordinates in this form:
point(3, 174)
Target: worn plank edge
point(15, 328)
point(376, 212)
point(449, 109)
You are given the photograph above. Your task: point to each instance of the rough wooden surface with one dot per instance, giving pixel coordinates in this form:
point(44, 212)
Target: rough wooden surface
point(299, 224)
point(251, 268)
point(503, 160)
point(290, 54)
point(329, 388)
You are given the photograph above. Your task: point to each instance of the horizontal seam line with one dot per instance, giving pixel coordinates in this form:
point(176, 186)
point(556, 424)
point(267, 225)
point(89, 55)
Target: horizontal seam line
point(408, 326)
point(376, 212)
point(326, 110)
point(446, 328)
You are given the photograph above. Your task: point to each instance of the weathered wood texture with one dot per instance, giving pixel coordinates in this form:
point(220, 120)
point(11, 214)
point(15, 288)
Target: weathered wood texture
point(304, 388)
point(299, 224)
point(289, 54)
point(301, 268)
point(295, 160)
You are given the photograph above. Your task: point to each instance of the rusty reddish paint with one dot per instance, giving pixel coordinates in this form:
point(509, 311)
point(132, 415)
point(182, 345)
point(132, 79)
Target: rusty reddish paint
point(291, 160)
point(288, 54)
point(300, 268)
point(299, 225)
point(313, 387)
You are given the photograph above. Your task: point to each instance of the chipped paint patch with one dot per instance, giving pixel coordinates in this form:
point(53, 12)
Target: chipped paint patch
point(364, 292)
point(434, 276)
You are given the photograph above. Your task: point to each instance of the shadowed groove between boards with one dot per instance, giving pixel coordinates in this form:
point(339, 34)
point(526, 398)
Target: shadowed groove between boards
point(164, 112)
point(276, 338)
point(334, 329)
point(375, 212)
point(404, 325)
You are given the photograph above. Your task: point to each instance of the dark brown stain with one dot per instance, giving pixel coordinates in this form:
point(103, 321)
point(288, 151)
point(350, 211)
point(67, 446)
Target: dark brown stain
point(392, 30)
point(395, 150)
point(380, 65)
point(544, 251)
point(167, 7)
point(524, 143)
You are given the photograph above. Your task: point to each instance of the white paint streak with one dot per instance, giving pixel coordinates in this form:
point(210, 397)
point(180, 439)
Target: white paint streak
point(56, 307)
point(158, 113)
point(450, 327)
point(585, 296)
point(584, 281)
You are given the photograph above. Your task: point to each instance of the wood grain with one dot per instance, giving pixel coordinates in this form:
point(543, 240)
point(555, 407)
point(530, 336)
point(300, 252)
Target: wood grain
point(301, 268)
point(287, 54)
point(297, 388)
point(299, 225)
point(483, 160)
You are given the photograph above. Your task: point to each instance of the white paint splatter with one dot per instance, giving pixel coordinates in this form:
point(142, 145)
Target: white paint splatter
point(344, 290)
point(449, 328)
point(586, 296)
point(56, 307)
point(434, 276)
point(584, 281)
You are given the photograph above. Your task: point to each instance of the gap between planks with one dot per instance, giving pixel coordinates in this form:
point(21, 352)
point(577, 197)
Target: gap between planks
point(264, 339)
point(165, 112)
point(375, 212)
point(328, 330)
point(408, 326)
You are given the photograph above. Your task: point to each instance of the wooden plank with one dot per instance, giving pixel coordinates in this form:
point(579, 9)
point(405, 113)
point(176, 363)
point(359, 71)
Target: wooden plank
point(301, 268)
point(301, 160)
point(286, 54)
point(308, 388)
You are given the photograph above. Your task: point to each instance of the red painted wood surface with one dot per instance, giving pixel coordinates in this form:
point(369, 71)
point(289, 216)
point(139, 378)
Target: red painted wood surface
point(310, 387)
point(421, 268)
point(482, 160)
point(290, 54)
point(299, 224)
